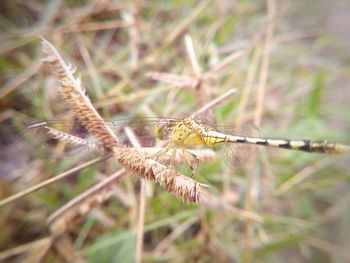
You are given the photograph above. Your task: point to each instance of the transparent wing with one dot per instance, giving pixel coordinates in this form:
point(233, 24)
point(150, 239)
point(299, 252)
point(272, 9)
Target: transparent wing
point(205, 118)
point(142, 127)
point(71, 138)
point(235, 155)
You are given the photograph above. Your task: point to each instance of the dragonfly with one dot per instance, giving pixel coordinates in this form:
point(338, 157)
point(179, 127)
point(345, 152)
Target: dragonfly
point(185, 133)
point(190, 131)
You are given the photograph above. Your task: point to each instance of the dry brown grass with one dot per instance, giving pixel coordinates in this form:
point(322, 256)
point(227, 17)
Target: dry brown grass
point(171, 59)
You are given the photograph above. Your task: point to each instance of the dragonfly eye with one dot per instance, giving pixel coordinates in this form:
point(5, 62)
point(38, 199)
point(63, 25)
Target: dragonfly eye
point(159, 131)
point(162, 131)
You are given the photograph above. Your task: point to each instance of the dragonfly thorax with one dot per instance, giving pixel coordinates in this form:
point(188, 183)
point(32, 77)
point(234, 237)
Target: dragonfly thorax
point(184, 134)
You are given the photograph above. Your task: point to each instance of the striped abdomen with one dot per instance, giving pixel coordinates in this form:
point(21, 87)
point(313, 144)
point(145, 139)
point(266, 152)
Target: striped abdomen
point(212, 138)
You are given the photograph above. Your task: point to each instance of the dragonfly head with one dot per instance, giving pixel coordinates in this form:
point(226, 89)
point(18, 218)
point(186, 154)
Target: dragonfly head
point(162, 130)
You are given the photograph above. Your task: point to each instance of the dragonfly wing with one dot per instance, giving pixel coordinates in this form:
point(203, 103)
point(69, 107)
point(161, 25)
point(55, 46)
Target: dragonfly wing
point(69, 132)
point(142, 127)
point(205, 118)
point(235, 155)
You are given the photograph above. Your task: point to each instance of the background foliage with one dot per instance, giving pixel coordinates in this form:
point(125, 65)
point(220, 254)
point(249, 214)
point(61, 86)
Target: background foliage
point(302, 198)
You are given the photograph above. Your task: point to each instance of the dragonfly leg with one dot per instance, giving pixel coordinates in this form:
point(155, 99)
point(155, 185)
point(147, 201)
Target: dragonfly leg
point(172, 158)
point(168, 162)
point(188, 156)
point(155, 156)
point(194, 168)
point(158, 154)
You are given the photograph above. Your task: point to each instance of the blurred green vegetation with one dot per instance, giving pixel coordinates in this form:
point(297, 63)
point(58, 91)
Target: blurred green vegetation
point(303, 198)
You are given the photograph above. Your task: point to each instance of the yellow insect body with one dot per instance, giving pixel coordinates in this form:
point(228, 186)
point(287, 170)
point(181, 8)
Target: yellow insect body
point(183, 135)
point(191, 132)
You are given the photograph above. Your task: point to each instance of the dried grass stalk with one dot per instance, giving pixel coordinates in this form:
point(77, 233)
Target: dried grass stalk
point(65, 248)
point(63, 218)
point(52, 180)
point(183, 187)
point(31, 252)
point(172, 79)
point(74, 95)
point(62, 136)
